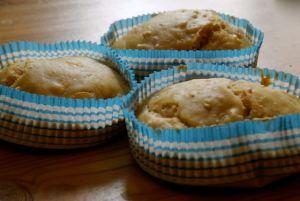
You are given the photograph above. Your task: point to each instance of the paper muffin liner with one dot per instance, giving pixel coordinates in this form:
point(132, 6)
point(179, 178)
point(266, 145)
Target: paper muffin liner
point(242, 154)
point(144, 62)
point(56, 122)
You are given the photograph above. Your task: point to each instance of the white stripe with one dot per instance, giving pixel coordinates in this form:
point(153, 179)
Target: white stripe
point(75, 117)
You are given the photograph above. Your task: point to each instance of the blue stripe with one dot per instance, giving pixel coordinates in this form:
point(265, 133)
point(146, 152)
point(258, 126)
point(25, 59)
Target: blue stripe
point(223, 147)
point(184, 54)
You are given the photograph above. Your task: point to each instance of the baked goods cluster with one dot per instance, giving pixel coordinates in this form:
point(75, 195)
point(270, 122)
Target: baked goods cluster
point(208, 102)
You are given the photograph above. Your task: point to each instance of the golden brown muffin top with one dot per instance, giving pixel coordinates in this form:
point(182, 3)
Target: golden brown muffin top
point(72, 77)
point(184, 30)
point(207, 102)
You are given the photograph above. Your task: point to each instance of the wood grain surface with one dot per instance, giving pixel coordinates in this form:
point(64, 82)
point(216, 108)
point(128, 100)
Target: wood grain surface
point(108, 172)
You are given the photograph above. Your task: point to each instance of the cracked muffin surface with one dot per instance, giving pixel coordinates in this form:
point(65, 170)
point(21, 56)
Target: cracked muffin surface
point(208, 102)
point(71, 77)
point(184, 30)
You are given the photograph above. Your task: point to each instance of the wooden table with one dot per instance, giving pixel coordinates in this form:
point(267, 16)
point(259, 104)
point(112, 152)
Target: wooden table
point(108, 172)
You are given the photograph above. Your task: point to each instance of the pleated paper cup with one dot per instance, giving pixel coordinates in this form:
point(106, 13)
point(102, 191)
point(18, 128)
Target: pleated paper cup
point(55, 122)
point(247, 153)
point(144, 62)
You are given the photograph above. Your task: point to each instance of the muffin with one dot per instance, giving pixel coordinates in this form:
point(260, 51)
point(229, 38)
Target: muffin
point(70, 77)
point(63, 95)
point(158, 41)
point(196, 125)
point(184, 30)
point(208, 102)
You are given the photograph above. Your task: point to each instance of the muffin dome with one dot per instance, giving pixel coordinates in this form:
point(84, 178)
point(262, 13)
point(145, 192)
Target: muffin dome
point(184, 30)
point(207, 102)
point(72, 77)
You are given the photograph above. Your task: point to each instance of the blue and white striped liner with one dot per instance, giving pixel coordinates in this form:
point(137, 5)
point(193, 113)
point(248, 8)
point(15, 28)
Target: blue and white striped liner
point(56, 122)
point(231, 154)
point(144, 62)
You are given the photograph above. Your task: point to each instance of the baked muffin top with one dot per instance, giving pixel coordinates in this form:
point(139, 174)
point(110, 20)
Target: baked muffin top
point(184, 30)
point(207, 102)
point(72, 77)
